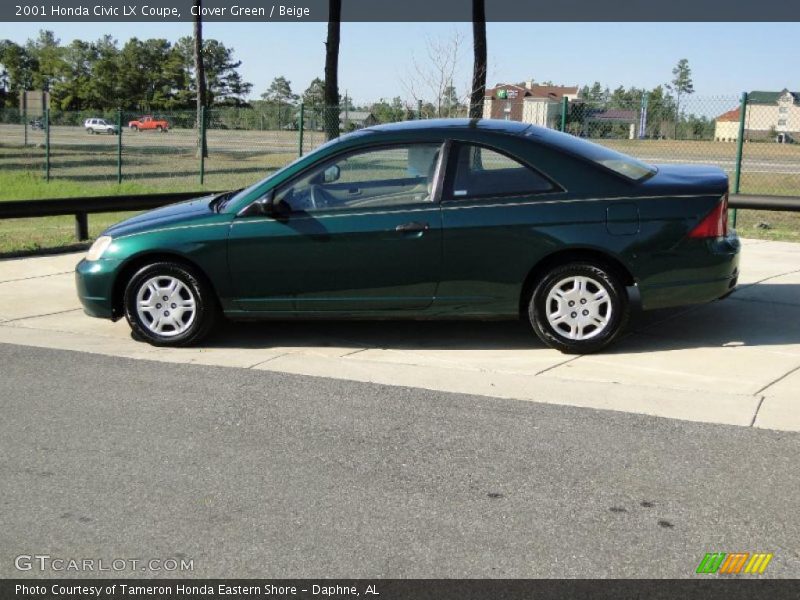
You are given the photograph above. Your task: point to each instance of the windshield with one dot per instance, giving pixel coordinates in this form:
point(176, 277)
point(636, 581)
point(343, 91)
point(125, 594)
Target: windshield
point(620, 163)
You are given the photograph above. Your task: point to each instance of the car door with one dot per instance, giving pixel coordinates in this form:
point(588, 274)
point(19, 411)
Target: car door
point(492, 207)
point(357, 233)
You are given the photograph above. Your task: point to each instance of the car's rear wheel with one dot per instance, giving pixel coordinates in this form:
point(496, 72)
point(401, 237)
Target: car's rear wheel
point(134, 127)
point(578, 307)
point(169, 304)
point(89, 130)
point(160, 129)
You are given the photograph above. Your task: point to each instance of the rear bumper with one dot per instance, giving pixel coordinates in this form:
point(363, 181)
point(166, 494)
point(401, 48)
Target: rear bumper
point(710, 271)
point(95, 284)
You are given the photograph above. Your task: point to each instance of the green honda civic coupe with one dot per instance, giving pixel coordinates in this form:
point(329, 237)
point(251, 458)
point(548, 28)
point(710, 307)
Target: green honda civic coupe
point(442, 219)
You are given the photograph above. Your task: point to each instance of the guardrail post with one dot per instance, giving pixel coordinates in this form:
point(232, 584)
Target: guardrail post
point(419, 109)
point(564, 105)
point(202, 126)
point(301, 123)
point(737, 175)
point(47, 144)
point(25, 124)
point(119, 145)
point(81, 226)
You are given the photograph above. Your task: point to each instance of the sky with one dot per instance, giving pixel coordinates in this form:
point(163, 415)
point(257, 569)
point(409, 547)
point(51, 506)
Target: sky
point(377, 58)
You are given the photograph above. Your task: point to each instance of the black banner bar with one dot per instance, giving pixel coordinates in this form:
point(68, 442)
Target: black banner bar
point(259, 11)
point(706, 588)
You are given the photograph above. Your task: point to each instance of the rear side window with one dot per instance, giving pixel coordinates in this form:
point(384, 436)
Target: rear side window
point(479, 172)
point(622, 164)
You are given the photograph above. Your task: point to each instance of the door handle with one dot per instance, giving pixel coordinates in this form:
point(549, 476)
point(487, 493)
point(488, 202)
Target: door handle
point(413, 227)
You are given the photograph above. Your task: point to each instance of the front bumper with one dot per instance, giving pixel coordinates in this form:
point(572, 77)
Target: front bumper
point(94, 281)
point(709, 269)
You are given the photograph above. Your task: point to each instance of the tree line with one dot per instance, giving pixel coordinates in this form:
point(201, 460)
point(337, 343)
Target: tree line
point(141, 75)
point(664, 106)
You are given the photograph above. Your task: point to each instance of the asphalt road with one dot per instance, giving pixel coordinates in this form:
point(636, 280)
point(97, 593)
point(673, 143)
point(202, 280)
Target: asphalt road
point(258, 474)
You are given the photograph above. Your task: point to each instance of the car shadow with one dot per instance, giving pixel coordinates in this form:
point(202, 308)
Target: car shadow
point(757, 315)
point(358, 334)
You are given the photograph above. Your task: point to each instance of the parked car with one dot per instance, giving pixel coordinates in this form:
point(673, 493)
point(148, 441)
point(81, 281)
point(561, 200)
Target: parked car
point(99, 126)
point(149, 122)
point(434, 219)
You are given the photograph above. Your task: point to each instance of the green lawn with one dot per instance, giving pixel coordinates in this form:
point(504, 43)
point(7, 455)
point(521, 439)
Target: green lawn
point(76, 172)
point(768, 225)
point(23, 235)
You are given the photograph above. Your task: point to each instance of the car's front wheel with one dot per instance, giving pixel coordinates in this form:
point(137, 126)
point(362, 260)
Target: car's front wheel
point(169, 304)
point(579, 307)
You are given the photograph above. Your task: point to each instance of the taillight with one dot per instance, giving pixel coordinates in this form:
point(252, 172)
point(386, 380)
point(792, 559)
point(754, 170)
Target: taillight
point(715, 223)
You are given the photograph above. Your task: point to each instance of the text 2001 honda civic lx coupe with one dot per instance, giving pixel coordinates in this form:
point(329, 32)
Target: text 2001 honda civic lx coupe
point(472, 219)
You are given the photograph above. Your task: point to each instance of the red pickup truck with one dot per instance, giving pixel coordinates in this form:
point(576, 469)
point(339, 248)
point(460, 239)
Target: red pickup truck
point(149, 122)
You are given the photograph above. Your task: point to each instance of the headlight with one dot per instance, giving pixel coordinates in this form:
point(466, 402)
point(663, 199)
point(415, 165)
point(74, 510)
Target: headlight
point(100, 245)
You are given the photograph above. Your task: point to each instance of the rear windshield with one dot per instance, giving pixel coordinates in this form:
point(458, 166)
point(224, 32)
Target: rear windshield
point(620, 163)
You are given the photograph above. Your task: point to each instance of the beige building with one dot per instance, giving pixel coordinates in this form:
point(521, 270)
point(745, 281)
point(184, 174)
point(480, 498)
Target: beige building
point(769, 114)
point(528, 102)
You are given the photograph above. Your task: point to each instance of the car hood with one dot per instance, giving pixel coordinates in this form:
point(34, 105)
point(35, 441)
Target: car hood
point(689, 179)
point(181, 213)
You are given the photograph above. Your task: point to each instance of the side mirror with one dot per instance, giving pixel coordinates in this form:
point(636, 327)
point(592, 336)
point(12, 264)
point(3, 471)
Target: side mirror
point(331, 174)
point(261, 207)
point(267, 207)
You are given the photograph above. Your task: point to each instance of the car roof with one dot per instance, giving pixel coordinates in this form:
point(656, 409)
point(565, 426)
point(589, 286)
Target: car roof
point(495, 125)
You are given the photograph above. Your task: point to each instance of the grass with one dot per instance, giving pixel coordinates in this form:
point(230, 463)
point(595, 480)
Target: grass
point(29, 186)
point(771, 184)
point(82, 166)
point(25, 235)
point(76, 172)
point(768, 225)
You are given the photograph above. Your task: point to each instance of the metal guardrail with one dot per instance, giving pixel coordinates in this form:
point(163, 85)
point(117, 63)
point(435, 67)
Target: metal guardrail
point(752, 201)
point(82, 207)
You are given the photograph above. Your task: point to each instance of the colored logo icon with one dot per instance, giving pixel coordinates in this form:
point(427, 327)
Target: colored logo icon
point(734, 563)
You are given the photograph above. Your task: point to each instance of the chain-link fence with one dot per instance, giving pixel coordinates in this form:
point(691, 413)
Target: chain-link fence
point(163, 148)
point(751, 138)
point(757, 147)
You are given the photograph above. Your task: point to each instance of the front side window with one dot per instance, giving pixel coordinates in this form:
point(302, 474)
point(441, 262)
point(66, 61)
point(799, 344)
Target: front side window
point(479, 172)
point(373, 178)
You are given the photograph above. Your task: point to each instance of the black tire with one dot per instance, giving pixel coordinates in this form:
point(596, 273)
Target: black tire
point(611, 310)
point(134, 127)
point(89, 130)
point(188, 328)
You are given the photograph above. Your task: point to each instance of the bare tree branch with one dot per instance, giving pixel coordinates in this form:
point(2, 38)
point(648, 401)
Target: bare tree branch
point(429, 79)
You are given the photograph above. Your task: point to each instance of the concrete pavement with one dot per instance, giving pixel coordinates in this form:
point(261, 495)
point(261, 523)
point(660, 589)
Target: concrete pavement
point(735, 362)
